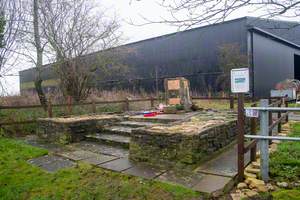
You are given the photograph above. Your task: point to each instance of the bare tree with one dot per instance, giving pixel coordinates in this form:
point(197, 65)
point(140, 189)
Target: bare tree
point(230, 56)
point(75, 28)
point(188, 13)
point(11, 23)
point(39, 54)
point(33, 44)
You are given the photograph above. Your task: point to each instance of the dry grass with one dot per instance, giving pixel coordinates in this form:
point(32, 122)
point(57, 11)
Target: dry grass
point(57, 98)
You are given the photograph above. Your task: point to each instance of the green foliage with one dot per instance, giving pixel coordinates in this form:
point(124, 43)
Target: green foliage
point(179, 107)
point(287, 194)
point(20, 180)
point(285, 162)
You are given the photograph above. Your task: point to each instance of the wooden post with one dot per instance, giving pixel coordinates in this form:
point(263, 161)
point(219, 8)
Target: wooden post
point(69, 105)
point(49, 109)
point(286, 105)
point(240, 136)
point(253, 128)
point(209, 94)
point(126, 104)
point(223, 94)
point(152, 101)
point(93, 107)
point(231, 102)
point(278, 117)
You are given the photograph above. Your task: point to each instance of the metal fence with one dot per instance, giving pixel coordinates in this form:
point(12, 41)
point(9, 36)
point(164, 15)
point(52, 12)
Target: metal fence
point(263, 135)
point(268, 126)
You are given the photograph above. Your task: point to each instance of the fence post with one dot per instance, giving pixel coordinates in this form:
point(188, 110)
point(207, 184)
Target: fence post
point(209, 94)
point(231, 101)
point(126, 104)
point(278, 117)
point(253, 131)
point(240, 136)
point(264, 144)
point(286, 105)
point(49, 109)
point(93, 106)
point(69, 105)
point(152, 101)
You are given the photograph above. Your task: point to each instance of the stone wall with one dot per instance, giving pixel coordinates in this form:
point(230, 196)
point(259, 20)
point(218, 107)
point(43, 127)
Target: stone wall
point(180, 149)
point(67, 130)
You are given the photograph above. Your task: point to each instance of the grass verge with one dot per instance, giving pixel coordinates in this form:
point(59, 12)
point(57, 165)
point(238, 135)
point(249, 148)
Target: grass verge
point(285, 165)
point(20, 180)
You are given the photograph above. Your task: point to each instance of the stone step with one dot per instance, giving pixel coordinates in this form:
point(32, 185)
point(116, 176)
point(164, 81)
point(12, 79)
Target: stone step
point(137, 124)
point(162, 119)
point(252, 170)
point(111, 139)
point(255, 165)
point(120, 130)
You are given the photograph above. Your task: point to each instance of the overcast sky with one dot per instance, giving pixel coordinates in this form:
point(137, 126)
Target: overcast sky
point(126, 11)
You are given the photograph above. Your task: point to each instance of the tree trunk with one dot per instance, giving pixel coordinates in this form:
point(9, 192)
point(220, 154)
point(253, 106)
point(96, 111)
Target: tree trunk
point(39, 56)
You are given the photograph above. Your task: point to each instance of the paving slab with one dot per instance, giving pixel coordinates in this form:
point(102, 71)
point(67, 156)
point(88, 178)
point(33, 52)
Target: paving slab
point(103, 149)
point(294, 117)
point(99, 159)
point(137, 124)
point(51, 163)
point(187, 179)
point(224, 164)
point(35, 141)
point(124, 130)
point(77, 155)
point(118, 165)
point(145, 171)
point(212, 183)
point(116, 139)
point(164, 118)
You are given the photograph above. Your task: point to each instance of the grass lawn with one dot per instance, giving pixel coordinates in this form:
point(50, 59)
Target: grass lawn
point(16, 115)
point(285, 165)
point(20, 180)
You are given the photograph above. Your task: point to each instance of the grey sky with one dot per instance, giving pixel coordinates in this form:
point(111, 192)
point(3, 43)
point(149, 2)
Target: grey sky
point(127, 12)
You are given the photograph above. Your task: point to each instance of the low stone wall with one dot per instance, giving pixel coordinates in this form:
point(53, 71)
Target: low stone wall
point(67, 130)
point(182, 148)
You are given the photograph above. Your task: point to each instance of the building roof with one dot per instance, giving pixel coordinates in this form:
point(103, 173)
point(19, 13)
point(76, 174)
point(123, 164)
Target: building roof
point(274, 37)
point(278, 30)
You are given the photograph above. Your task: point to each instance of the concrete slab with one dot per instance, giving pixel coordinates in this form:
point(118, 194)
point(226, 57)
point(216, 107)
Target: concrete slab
point(51, 163)
point(163, 118)
point(124, 130)
point(34, 140)
point(137, 124)
point(115, 139)
point(187, 179)
point(294, 117)
point(99, 159)
point(118, 165)
point(144, 171)
point(103, 149)
point(77, 155)
point(224, 164)
point(212, 183)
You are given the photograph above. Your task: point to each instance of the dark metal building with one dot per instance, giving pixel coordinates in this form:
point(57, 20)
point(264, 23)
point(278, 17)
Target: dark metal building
point(272, 48)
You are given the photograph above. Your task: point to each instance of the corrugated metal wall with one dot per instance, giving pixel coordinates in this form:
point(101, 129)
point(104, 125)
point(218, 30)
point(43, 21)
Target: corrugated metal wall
point(188, 52)
point(273, 62)
point(196, 50)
